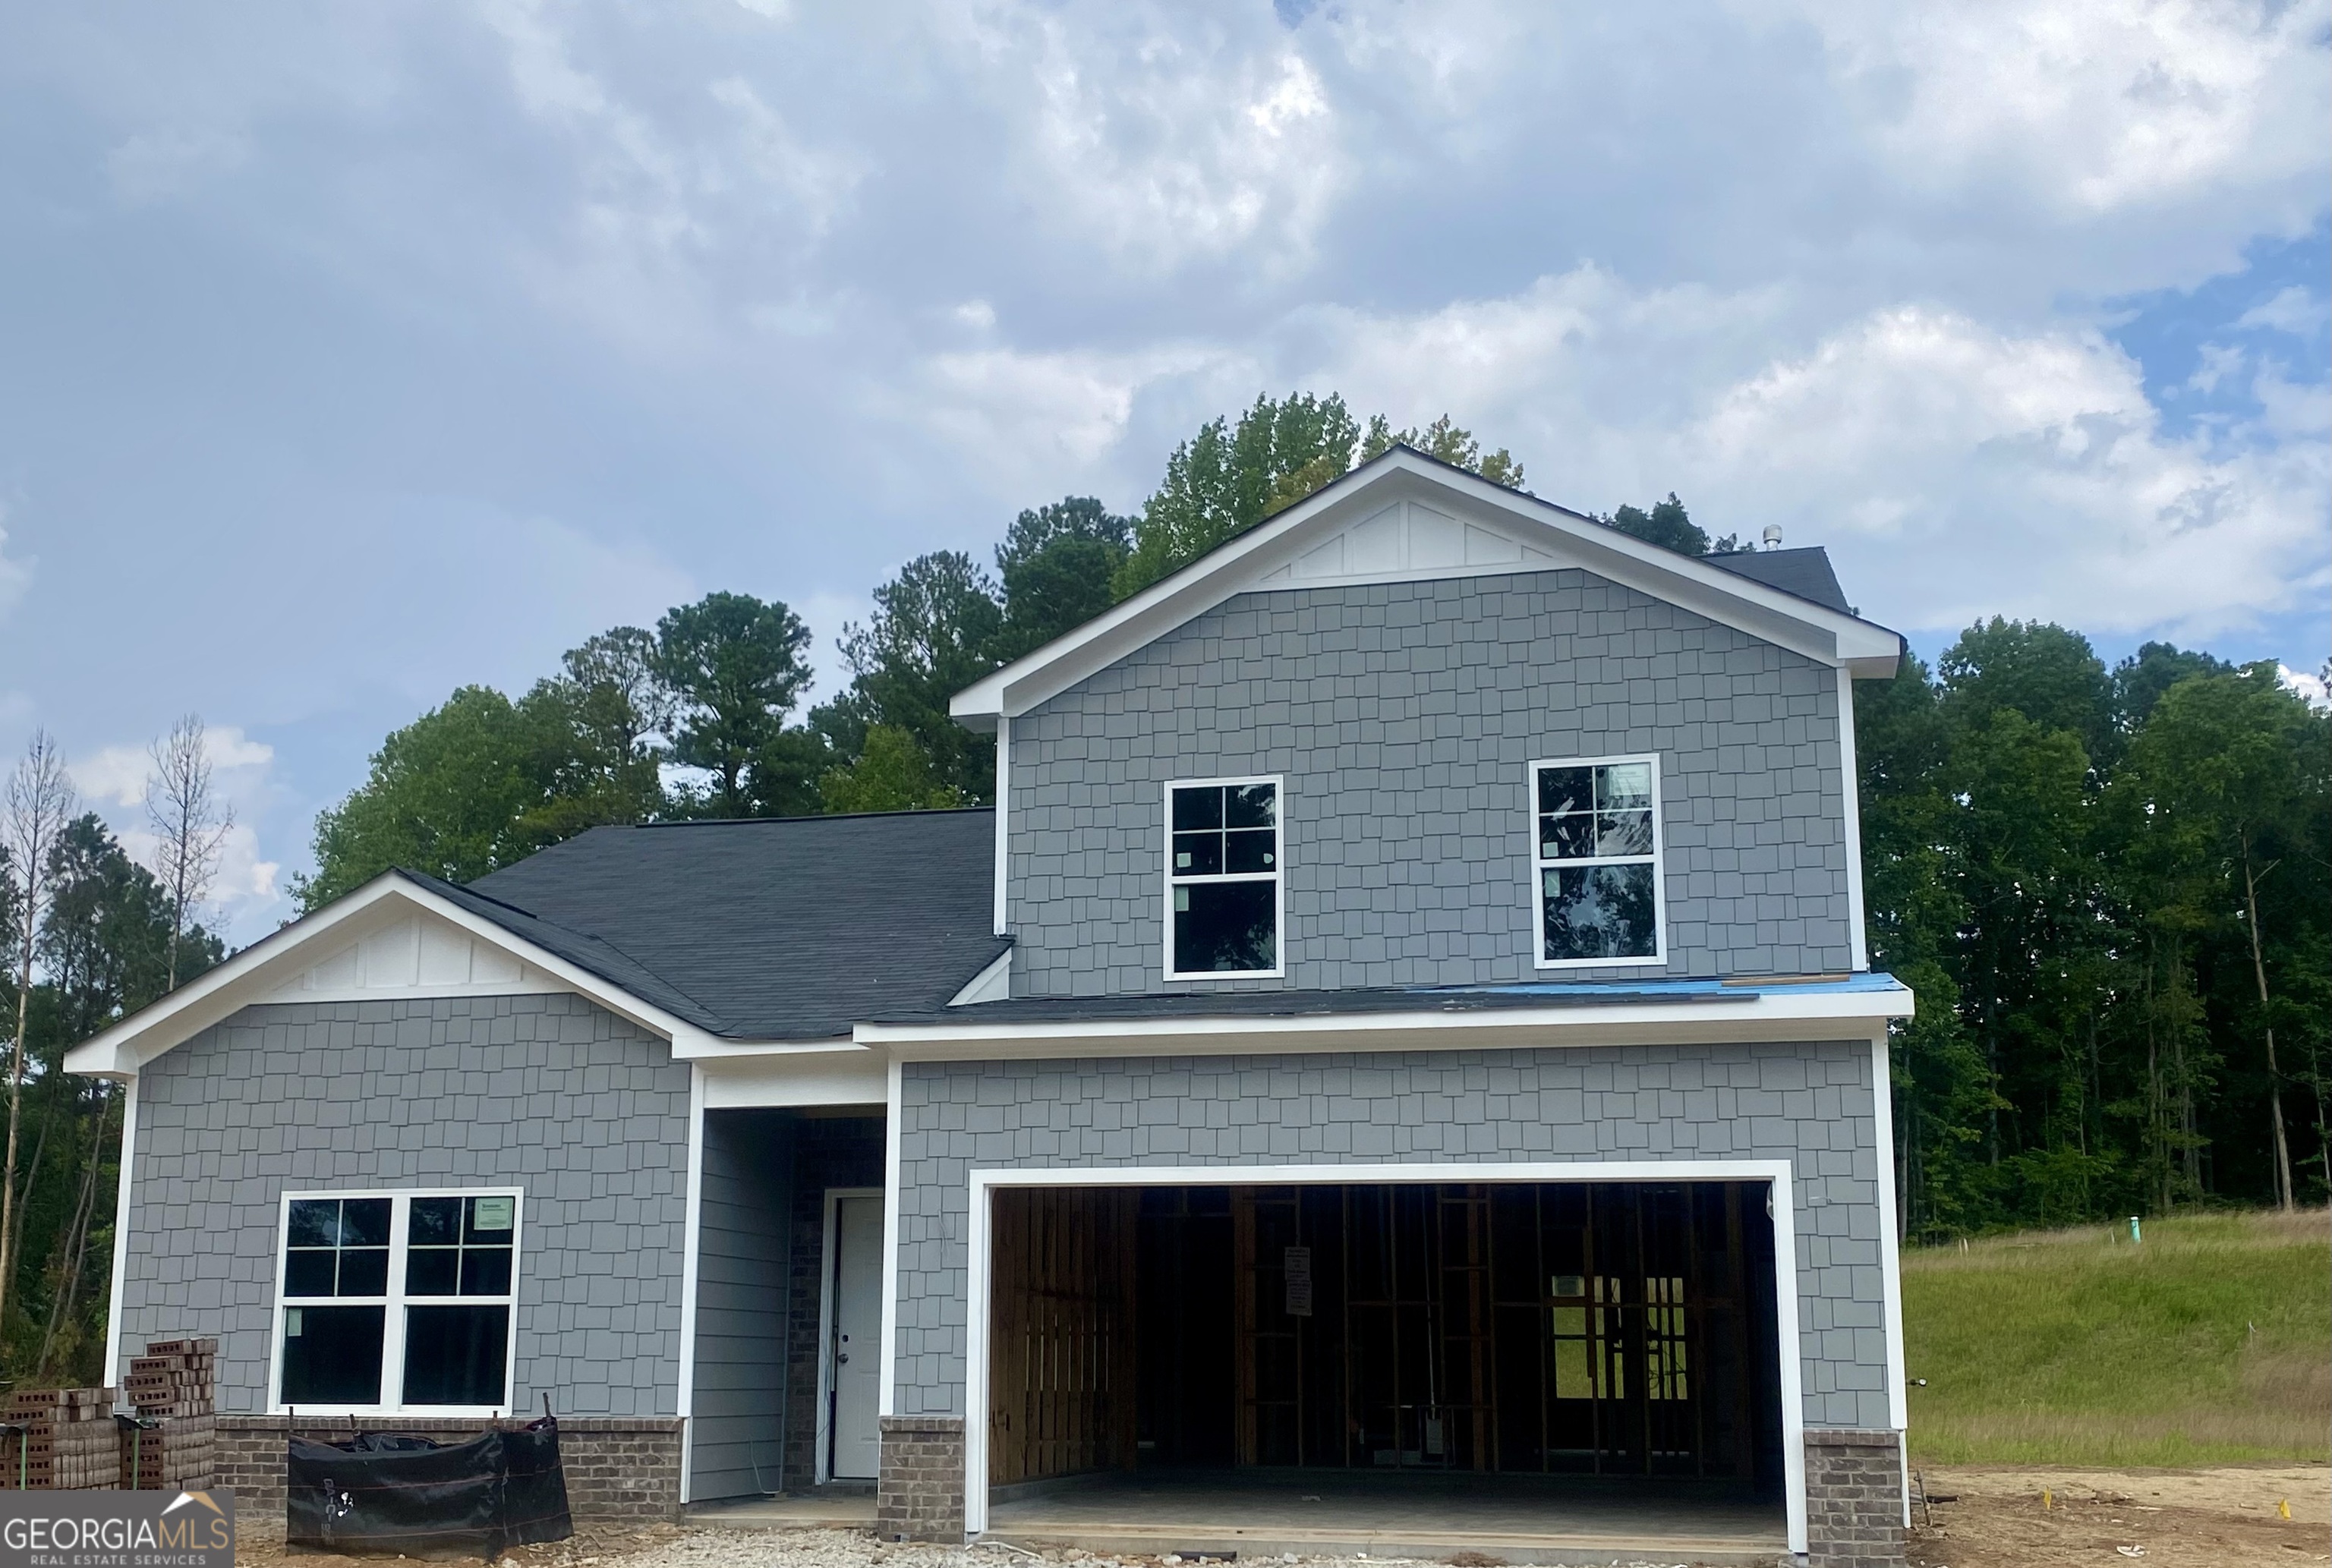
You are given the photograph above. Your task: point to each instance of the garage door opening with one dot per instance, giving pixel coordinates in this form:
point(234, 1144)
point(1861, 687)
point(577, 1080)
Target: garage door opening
point(1510, 1346)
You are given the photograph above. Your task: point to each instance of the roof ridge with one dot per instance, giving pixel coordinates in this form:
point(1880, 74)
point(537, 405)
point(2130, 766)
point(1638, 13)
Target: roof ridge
point(805, 816)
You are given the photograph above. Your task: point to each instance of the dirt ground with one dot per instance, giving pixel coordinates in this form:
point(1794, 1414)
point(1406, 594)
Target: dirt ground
point(2207, 1518)
point(2204, 1519)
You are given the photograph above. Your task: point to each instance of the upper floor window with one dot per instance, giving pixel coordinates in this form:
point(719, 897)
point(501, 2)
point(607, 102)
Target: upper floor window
point(396, 1301)
point(1596, 852)
point(1222, 878)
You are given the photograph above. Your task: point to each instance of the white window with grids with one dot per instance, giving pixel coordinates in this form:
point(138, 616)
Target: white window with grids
point(1595, 851)
point(398, 1301)
point(1223, 864)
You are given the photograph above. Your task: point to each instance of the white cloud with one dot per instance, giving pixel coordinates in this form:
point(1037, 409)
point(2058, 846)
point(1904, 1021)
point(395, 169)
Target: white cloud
point(2085, 105)
point(1954, 469)
point(15, 576)
point(2293, 309)
point(2312, 688)
point(119, 774)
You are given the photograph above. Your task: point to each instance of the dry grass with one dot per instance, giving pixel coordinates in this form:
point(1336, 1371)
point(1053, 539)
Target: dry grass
point(2211, 1343)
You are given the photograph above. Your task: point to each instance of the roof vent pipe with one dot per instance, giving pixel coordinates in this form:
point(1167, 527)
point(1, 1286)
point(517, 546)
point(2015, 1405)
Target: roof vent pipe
point(1772, 536)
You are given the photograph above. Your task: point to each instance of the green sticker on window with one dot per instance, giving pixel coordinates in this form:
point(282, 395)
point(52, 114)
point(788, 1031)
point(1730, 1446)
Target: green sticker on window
point(291, 1323)
point(493, 1213)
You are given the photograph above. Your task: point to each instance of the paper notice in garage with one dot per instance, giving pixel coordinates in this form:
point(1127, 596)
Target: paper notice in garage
point(1295, 1264)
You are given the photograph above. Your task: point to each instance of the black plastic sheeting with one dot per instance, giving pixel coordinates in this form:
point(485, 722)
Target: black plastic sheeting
point(388, 1492)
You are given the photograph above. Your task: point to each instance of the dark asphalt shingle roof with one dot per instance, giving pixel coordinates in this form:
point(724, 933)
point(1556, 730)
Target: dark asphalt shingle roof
point(1805, 573)
point(787, 928)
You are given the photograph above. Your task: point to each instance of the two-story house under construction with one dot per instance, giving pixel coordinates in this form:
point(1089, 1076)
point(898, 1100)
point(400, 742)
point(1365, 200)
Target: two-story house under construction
point(1397, 1066)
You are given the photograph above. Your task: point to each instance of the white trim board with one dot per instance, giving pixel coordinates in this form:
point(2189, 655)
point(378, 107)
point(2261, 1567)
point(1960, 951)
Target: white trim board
point(1771, 1016)
point(1789, 1344)
point(885, 1401)
point(692, 1233)
point(1400, 476)
point(126, 1174)
point(1857, 939)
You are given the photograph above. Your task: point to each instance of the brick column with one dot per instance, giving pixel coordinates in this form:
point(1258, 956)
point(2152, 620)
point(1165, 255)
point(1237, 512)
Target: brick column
point(1854, 1497)
point(919, 1495)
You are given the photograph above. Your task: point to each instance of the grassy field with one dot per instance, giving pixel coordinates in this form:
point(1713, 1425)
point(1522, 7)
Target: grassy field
point(2209, 1343)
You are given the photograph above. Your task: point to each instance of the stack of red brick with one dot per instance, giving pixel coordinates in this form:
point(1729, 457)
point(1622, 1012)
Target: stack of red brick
point(170, 1387)
point(62, 1439)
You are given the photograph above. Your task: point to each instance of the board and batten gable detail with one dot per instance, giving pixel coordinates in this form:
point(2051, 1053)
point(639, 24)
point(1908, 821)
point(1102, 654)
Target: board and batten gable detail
point(1404, 717)
point(1810, 1105)
point(585, 1113)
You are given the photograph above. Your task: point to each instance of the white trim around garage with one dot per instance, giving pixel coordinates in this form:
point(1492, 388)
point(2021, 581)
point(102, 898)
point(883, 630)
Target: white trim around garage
point(977, 1305)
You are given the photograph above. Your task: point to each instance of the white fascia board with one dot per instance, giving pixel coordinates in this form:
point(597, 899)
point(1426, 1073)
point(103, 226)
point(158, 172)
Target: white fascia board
point(252, 975)
point(1843, 1015)
point(1846, 641)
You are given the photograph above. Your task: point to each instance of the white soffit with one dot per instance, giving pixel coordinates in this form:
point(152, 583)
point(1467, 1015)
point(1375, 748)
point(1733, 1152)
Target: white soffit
point(418, 955)
point(1403, 517)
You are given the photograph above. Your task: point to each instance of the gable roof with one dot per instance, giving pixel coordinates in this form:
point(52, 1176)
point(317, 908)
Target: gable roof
point(766, 929)
point(1788, 598)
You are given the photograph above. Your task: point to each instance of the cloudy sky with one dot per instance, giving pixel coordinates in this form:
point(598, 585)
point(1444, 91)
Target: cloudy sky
point(349, 353)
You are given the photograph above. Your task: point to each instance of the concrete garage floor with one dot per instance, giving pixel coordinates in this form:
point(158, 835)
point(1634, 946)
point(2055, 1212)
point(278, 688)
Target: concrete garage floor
point(1542, 1519)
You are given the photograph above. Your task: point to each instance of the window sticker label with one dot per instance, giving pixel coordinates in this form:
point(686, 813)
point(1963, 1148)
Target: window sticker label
point(495, 1213)
point(1297, 1263)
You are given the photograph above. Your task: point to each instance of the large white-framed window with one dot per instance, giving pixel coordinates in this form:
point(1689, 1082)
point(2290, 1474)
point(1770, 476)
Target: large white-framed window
point(1595, 861)
point(397, 1300)
point(1225, 899)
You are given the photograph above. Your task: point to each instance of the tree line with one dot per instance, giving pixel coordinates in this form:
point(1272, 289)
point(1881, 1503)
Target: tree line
point(91, 937)
point(698, 717)
point(2110, 888)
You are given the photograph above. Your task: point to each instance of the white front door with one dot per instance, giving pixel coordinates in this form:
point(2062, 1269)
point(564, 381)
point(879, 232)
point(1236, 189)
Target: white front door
point(855, 1354)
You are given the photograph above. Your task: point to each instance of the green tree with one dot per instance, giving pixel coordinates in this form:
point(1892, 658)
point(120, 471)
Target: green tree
point(462, 790)
point(2232, 767)
point(104, 945)
point(1225, 479)
point(733, 667)
point(891, 773)
point(1056, 564)
point(1668, 525)
point(934, 631)
point(2139, 680)
point(2050, 675)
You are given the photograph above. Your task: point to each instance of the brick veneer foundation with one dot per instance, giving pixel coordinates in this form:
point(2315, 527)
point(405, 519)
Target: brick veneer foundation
point(617, 1467)
point(920, 1495)
point(1854, 1498)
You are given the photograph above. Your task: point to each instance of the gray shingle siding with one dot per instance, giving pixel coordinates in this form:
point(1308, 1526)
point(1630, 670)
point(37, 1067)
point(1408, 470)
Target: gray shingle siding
point(742, 1303)
point(1811, 1104)
point(1404, 716)
point(579, 1108)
